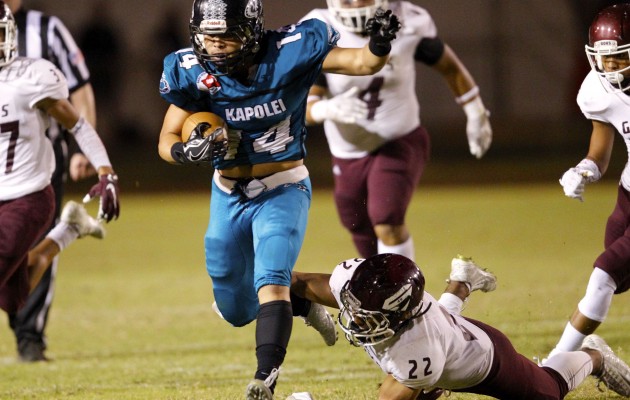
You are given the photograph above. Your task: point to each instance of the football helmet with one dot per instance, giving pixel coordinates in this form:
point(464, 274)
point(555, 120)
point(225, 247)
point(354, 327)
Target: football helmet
point(353, 14)
point(608, 50)
point(8, 45)
point(241, 19)
point(383, 295)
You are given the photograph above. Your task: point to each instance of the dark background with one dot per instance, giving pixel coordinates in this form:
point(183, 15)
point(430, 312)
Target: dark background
point(527, 58)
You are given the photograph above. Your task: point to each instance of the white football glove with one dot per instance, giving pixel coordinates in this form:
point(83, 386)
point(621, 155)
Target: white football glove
point(345, 108)
point(478, 127)
point(574, 180)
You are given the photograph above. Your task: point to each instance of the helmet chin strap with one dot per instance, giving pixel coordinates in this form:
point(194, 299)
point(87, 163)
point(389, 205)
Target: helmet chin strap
point(615, 78)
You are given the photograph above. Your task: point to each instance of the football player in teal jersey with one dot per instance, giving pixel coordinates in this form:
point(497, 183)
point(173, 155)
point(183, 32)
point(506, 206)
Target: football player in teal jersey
point(257, 80)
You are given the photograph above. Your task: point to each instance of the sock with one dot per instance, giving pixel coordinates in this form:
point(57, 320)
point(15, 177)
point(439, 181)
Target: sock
point(63, 234)
point(404, 249)
point(570, 340)
point(273, 330)
point(452, 303)
point(300, 306)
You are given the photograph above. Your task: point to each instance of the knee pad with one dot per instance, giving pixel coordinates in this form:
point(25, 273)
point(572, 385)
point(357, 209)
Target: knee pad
point(236, 310)
point(599, 292)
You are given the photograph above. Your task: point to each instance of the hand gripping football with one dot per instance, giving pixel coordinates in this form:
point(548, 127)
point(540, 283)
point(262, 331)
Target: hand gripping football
point(205, 123)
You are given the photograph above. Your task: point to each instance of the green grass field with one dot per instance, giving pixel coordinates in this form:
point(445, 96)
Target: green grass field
point(132, 316)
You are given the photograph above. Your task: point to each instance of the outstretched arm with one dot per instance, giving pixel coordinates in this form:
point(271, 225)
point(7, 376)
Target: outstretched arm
point(391, 389)
point(370, 58)
point(313, 287)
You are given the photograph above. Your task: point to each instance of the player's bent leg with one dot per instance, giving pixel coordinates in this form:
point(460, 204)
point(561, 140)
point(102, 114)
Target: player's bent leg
point(590, 313)
point(235, 307)
point(395, 239)
point(574, 367)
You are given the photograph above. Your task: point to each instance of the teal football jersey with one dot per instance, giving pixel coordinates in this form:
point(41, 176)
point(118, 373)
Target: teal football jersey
point(266, 119)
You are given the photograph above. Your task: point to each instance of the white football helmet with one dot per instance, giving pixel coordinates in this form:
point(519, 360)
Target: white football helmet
point(608, 50)
point(353, 14)
point(8, 38)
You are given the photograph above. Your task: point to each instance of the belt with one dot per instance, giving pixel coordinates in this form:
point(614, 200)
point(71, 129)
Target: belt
point(251, 187)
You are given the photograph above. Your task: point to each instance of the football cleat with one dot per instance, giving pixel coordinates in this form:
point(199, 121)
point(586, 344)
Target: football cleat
point(75, 215)
point(464, 269)
point(261, 390)
point(323, 323)
point(300, 396)
point(615, 373)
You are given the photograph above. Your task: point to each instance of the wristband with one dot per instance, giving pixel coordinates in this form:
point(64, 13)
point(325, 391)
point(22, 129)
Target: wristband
point(466, 97)
point(475, 109)
point(379, 49)
point(590, 166)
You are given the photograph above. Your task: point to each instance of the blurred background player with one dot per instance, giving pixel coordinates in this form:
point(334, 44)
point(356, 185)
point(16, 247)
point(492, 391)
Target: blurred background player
point(257, 81)
point(372, 123)
point(45, 36)
point(424, 345)
point(31, 90)
point(603, 99)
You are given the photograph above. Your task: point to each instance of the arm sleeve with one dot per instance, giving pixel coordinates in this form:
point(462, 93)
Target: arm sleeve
point(429, 50)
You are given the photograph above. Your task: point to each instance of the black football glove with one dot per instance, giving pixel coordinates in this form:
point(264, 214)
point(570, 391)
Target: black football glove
point(382, 28)
point(199, 149)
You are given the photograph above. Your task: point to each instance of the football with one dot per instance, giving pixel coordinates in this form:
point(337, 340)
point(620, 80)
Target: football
point(195, 119)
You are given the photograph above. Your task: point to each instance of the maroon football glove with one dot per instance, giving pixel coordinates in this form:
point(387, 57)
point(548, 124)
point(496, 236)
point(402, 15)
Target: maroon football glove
point(107, 190)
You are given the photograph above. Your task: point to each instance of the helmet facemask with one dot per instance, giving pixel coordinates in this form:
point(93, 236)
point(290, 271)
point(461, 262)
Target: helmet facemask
point(362, 327)
point(8, 36)
point(611, 62)
point(353, 14)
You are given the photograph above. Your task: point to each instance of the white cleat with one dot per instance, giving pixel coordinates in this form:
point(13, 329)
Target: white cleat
point(464, 269)
point(261, 390)
point(615, 373)
point(300, 396)
point(75, 215)
point(323, 323)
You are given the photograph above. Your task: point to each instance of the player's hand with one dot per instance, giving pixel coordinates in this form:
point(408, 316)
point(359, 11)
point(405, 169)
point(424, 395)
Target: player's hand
point(478, 128)
point(199, 148)
point(80, 167)
point(575, 179)
point(108, 192)
point(346, 108)
point(382, 28)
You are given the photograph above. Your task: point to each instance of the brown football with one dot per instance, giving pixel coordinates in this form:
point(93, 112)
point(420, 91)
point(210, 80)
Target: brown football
point(195, 119)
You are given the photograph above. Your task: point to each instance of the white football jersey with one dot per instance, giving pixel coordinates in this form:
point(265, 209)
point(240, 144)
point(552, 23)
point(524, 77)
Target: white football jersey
point(437, 349)
point(26, 154)
point(598, 102)
point(390, 93)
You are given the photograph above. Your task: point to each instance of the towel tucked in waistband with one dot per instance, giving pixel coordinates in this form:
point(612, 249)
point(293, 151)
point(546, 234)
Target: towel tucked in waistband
point(252, 187)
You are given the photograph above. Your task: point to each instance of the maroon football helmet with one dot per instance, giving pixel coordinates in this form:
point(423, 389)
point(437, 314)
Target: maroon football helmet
point(608, 50)
point(384, 293)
